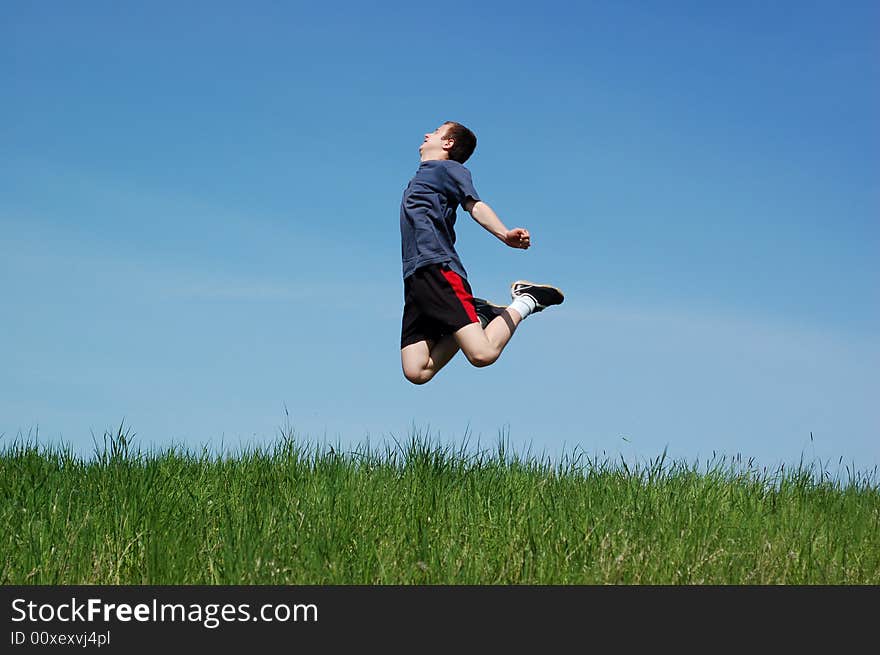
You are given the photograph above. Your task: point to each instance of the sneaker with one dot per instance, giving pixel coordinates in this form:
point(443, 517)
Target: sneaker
point(543, 294)
point(486, 310)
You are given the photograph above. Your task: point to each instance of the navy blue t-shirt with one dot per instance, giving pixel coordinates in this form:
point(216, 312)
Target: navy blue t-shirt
point(427, 214)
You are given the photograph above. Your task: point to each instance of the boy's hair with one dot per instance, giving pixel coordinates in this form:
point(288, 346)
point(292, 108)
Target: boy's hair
point(465, 141)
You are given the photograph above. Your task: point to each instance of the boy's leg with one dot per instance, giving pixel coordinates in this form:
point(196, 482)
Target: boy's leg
point(447, 298)
point(483, 346)
point(422, 360)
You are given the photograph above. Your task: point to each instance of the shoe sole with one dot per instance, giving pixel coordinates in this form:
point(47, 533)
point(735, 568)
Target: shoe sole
point(535, 284)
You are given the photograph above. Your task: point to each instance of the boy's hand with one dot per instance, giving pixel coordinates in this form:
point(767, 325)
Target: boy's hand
point(518, 237)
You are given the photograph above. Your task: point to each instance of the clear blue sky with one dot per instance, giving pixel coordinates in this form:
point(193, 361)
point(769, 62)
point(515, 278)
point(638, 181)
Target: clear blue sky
point(199, 211)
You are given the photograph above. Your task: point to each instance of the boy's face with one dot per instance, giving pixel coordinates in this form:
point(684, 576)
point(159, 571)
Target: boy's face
point(436, 145)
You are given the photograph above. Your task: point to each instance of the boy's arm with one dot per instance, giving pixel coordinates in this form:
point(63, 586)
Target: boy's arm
point(483, 214)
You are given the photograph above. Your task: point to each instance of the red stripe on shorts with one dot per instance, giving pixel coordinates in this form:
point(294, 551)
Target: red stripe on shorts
point(467, 300)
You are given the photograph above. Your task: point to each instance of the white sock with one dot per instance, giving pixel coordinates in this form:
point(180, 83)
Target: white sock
point(523, 305)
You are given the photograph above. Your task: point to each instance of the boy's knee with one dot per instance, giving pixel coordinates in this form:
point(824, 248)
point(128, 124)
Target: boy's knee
point(481, 359)
point(417, 377)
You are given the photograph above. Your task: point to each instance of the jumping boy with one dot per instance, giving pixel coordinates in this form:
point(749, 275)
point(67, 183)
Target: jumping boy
point(440, 316)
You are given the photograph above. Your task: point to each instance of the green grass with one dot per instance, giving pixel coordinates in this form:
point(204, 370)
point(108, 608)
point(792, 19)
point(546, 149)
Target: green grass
point(419, 513)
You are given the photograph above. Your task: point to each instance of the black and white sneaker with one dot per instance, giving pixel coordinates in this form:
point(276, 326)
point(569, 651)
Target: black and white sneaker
point(486, 310)
point(543, 294)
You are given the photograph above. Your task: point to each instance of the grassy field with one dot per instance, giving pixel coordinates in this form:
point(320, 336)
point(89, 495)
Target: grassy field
point(419, 513)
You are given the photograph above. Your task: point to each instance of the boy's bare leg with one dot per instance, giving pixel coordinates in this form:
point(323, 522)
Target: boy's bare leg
point(423, 359)
point(483, 347)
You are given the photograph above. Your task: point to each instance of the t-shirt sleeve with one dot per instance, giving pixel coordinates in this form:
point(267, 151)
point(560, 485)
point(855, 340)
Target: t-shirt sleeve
point(461, 186)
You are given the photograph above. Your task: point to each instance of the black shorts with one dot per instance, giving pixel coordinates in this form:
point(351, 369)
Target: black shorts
point(436, 301)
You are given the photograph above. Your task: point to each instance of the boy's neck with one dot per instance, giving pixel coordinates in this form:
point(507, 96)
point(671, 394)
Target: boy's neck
point(429, 157)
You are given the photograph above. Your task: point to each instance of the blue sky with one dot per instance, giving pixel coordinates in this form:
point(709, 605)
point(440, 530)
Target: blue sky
point(199, 212)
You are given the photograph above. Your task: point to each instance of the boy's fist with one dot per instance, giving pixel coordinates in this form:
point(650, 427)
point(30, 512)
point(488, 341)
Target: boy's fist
point(518, 237)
